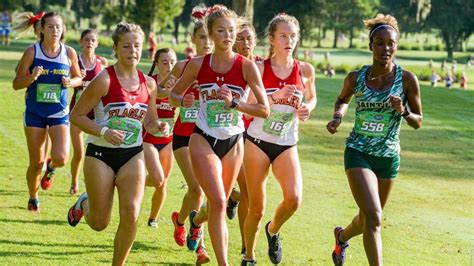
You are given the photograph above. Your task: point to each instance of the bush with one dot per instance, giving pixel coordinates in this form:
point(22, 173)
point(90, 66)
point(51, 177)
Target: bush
point(344, 68)
point(404, 46)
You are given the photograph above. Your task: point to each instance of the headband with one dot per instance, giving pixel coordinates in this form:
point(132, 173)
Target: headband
point(36, 18)
point(379, 27)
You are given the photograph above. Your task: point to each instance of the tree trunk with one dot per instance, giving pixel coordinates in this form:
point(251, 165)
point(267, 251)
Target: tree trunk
point(334, 44)
point(176, 29)
point(448, 44)
point(320, 28)
point(351, 45)
point(244, 7)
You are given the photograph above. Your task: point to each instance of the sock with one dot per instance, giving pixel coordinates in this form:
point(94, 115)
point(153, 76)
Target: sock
point(50, 168)
point(178, 223)
point(271, 234)
point(192, 223)
point(339, 236)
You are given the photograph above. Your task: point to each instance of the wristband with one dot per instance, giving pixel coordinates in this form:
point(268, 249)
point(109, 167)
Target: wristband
point(337, 115)
point(102, 131)
point(405, 113)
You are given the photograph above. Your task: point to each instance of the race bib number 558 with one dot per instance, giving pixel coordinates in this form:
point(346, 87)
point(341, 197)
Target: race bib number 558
point(372, 124)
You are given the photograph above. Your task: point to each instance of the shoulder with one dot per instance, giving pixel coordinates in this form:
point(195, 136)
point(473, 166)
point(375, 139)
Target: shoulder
point(351, 78)
point(102, 60)
point(409, 79)
point(247, 62)
point(71, 52)
point(30, 51)
point(197, 60)
point(150, 82)
point(307, 69)
point(179, 66)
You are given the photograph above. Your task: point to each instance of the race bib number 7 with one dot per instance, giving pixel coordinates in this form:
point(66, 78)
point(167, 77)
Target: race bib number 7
point(218, 116)
point(131, 128)
point(48, 93)
point(372, 124)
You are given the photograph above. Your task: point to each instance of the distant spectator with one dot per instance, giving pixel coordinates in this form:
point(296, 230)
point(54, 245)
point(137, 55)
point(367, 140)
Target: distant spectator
point(463, 81)
point(448, 80)
point(6, 28)
point(151, 44)
point(329, 71)
point(430, 63)
point(454, 66)
point(434, 78)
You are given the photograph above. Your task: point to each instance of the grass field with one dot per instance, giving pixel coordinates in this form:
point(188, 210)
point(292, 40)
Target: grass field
point(428, 220)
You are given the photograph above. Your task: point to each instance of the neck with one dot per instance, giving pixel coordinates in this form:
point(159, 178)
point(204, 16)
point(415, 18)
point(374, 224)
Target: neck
point(282, 60)
point(380, 68)
point(50, 45)
point(223, 54)
point(88, 55)
point(125, 70)
point(162, 76)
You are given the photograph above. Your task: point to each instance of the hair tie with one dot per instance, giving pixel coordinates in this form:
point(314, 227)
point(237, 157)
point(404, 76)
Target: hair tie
point(199, 14)
point(379, 27)
point(36, 18)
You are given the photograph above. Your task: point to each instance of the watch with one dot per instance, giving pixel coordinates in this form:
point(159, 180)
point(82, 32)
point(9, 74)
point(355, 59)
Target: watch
point(405, 113)
point(234, 103)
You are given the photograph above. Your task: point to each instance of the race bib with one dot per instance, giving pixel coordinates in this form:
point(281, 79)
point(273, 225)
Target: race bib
point(48, 93)
point(170, 122)
point(78, 94)
point(131, 128)
point(189, 115)
point(372, 124)
point(217, 116)
point(278, 123)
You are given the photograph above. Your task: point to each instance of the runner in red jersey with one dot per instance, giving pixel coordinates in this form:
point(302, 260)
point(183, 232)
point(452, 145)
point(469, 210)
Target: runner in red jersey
point(157, 148)
point(123, 99)
point(182, 131)
point(272, 142)
point(90, 65)
point(216, 144)
point(244, 45)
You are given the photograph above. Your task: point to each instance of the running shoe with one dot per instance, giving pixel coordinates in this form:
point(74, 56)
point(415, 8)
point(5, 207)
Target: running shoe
point(75, 213)
point(33, 205)
point(48, 177)
point(231, 209)
point(274, 246)
point(179, 230)
point(245, 262)
point(195, 233)
point(339, 253)
point(152, 223)
point(201, 256)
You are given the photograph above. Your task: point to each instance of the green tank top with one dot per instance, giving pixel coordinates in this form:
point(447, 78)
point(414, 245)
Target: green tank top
point(377, 125)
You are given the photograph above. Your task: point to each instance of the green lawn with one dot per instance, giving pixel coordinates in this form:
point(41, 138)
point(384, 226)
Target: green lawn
point(428, 220)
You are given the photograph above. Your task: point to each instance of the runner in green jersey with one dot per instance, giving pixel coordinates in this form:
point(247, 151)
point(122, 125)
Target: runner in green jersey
point(384, 94)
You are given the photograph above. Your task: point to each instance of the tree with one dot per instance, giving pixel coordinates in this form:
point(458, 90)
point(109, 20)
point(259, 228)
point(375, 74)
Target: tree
point(455, 21)
point(157, 14)
point(244, 7)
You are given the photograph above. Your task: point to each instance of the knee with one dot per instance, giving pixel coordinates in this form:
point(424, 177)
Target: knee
point(293, 202)
point(129, 215)
point(373, 219)
point(98, 225)
point(256, 212)
point(60, 161)
point(218, 204)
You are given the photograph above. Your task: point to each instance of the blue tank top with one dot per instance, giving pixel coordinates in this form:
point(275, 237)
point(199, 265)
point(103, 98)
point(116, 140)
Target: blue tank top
point(47, 97)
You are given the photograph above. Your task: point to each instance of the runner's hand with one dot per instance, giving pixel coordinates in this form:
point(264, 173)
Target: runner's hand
point(36, 72)
point(224, 93)
point(302, 112)
point(66, 81)
point(114, 137)
point(171, 82)
point(396, 103)
point(285, 92)
point(187, 100)
point(163, 127)
point(333, 125)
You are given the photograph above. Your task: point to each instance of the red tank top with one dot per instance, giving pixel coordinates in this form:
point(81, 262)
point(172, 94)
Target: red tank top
point(270, 80)
point(186, 129)
point(117, 94)
point(166, 111)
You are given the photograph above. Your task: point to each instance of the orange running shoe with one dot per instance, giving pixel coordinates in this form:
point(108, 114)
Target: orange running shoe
point(48, 177)
point(179, 230)
point(202, 256)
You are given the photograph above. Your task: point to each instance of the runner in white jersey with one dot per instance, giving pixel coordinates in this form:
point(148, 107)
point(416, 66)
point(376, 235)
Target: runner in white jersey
point(124, 100)
point(271, 142)
point(216, 144)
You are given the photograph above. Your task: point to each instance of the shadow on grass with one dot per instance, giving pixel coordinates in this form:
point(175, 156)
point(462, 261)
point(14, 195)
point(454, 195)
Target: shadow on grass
point(31, 243)
point(42, 222)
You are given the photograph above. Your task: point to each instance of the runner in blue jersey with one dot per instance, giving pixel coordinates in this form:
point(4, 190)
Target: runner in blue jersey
point(46, 69)
point(385, 94)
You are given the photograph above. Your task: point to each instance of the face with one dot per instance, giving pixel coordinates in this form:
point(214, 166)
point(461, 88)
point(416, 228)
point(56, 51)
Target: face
point(224, 33)
point(53, 29)
point(89, 42)
point(202, 41)
point(285, 38)
point(384, 45)
point(129, 48)
point(245, 42)
point(165, 63)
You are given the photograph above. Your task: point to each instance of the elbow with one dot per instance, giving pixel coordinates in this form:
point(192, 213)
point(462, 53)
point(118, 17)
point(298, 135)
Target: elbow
point(265, 112)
